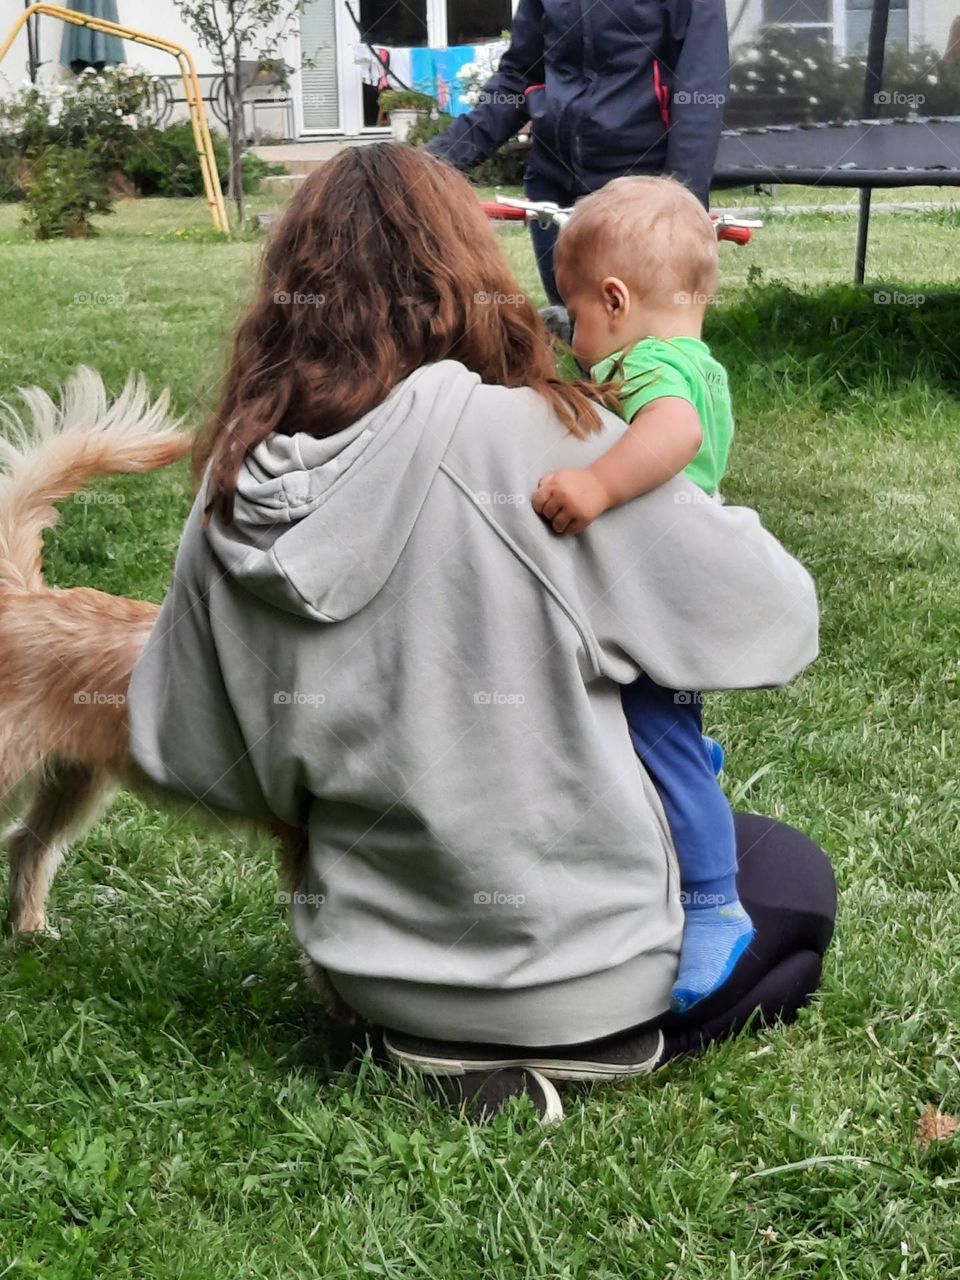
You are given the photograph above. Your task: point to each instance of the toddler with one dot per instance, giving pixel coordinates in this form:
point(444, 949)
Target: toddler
point(636, 264)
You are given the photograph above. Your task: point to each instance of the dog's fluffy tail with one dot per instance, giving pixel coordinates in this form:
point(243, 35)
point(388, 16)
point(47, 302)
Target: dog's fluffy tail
point(54, 449)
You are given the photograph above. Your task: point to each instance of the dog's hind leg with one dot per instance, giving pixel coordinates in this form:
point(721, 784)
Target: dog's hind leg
point(66, 803)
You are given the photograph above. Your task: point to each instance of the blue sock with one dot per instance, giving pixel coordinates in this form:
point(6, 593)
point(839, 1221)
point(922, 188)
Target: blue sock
point(716, 933)
point(716, 754)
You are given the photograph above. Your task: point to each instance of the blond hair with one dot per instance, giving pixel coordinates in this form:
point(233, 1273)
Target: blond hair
point(651, 232)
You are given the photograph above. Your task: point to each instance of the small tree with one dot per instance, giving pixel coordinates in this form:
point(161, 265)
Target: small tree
point(235, 31)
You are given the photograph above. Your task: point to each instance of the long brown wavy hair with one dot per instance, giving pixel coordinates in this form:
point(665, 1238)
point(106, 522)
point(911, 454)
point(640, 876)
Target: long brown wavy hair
point(383, 262)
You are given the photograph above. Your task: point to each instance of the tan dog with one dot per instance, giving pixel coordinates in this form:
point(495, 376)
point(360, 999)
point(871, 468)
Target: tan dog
point(66, 656)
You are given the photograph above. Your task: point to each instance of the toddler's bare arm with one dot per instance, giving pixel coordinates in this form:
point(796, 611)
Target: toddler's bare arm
point(660, 441)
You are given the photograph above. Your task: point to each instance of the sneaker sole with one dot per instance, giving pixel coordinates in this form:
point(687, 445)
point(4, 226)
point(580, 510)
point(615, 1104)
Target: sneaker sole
point(552, 1068)
point(553, 1112)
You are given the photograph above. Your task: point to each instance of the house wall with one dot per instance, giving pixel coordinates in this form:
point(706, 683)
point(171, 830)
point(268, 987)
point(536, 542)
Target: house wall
point(157, 17)
point(154, 17)
point(931, 21)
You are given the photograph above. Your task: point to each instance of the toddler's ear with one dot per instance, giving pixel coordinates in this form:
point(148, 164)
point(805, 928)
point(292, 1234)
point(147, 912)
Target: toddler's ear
point(616, 297)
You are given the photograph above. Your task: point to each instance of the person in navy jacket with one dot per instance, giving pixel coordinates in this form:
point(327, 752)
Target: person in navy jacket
point(620, 87)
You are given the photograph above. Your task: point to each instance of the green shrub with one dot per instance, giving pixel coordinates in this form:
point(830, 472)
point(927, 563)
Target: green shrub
point(255, 169)
point(62, 143)
point(107, 108)
point(503, 169)
point(426, 128)
point(165, 163)
point(405, 100)
point(65, 189)
point(13, 172)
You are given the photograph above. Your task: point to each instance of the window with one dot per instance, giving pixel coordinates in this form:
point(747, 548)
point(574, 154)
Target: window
point(798, 13)
point(858, 26)
point(815, 19)
point(810, 20)
point(474, 21)
point(399, 24)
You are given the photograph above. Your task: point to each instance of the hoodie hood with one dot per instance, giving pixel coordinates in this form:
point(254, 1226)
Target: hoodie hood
point(319, 524)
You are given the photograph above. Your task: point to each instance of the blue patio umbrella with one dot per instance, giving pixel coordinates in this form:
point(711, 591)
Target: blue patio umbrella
point(82, 47)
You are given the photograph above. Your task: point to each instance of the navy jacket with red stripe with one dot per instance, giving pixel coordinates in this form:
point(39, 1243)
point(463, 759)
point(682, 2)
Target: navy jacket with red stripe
point(611, 86)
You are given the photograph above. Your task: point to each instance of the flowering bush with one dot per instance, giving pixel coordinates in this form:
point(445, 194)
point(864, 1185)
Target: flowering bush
point(789, 65)
point(505, 167)
point(474, 75)
point(62, 142)
point(105, 110)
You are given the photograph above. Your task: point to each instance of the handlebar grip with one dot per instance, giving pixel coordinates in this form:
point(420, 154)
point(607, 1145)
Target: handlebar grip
point(737, 235)
point(503, 211)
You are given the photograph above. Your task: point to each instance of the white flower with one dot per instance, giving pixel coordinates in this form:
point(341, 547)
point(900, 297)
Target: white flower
point(931, 79)
point(130, 121)
point(753, 75)
point(797, 74)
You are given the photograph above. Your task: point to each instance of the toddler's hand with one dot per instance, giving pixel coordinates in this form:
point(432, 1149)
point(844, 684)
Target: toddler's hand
point(570, 500)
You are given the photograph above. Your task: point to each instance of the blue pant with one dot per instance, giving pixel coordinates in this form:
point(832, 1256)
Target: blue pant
point(666, 728)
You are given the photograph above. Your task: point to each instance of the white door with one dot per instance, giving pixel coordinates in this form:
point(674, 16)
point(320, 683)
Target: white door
point(319, 81)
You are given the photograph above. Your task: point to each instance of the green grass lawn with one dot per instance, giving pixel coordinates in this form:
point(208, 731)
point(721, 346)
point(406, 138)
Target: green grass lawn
point(174, 1105)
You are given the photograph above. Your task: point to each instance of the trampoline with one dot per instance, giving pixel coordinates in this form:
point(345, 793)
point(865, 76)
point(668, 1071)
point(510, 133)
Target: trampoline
point(864, 153)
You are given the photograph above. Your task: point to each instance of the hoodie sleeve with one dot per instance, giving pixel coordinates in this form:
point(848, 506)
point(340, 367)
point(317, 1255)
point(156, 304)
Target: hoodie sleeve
point(502, 110)
point(697, 595)
point(184, 734)
point(700, 84)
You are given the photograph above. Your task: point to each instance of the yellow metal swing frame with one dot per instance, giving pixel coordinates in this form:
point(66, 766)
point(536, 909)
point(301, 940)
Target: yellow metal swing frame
point(191, 86)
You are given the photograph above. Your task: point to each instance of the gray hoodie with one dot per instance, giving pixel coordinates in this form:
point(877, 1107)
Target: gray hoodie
point(388, 647)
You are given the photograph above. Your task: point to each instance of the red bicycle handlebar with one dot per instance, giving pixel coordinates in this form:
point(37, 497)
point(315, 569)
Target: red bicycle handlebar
point(502, 211)
point(508, 213)
point(736, 235)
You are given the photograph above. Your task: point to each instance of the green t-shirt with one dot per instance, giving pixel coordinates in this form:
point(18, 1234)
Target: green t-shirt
point(680, 367)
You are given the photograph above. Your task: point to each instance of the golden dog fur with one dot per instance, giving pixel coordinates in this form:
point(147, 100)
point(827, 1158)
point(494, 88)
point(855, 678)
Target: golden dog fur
point(67, 655)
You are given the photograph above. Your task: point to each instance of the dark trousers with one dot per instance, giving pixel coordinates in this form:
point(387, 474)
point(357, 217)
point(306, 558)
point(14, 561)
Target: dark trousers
point(536, 187)
point(787, 885)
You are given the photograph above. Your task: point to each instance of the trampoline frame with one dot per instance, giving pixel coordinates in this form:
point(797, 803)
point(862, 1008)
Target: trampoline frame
point(865, 179)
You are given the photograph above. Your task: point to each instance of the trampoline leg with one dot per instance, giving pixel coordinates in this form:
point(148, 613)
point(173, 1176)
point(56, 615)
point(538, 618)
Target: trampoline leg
point(863, 228)
point(872, 81)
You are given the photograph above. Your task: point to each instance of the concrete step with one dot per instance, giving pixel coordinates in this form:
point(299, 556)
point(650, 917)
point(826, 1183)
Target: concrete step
point(282, 184)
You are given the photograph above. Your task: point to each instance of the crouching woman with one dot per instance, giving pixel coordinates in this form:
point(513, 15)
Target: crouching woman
point(372, 636)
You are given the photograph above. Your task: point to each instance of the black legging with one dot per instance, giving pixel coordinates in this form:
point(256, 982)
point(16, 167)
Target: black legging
point(787, 885)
